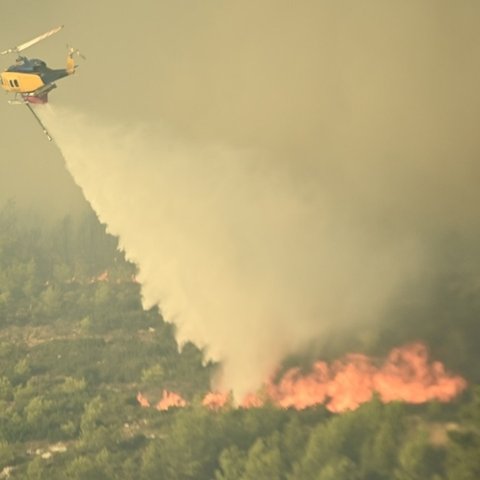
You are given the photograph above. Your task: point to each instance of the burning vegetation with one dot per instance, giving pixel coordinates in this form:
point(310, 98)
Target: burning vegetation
point(406, 375)
point(73, 351)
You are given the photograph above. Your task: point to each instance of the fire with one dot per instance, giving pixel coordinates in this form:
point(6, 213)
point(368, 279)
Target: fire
point(252, 400)
point(215, 400)
point(169, 400)
point(143, 401)
point(103, 277)
point(406, 375)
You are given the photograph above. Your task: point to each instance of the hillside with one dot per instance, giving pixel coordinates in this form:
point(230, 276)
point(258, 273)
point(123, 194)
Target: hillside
point(77, 347)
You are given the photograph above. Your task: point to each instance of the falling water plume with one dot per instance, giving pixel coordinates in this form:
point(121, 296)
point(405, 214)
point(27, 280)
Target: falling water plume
point(236, 252)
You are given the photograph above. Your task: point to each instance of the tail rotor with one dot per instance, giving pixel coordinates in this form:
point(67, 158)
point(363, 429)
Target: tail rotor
point(75, 51)
point(70, 61)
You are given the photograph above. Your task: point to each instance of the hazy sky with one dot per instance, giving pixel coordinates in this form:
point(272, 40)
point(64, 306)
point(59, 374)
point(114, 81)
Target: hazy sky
point(349, 130)
point(362, 86)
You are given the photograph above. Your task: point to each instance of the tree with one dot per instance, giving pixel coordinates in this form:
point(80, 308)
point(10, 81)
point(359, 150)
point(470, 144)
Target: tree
point(264, 460)
point(36, 469)
point(86, 468)
point(6, 454)
point(294, 439)
point(50, 301)
point(73, 385)
point(417, 459)
point(98, 429)
point(328, 440)
point(379, 450)
point(21, 370)
point(232, 464)
point(188, 450)
point(153, 375)
point(6, 390)
point(92, 415)
point(463, 454)
point(339, 468)
point(37, 415)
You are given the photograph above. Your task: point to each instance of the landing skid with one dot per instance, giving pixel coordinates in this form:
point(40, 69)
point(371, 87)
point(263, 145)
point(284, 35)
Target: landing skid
point(16, 100)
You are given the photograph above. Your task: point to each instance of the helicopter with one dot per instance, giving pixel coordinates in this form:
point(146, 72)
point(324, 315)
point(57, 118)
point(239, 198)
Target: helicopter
point(31, 80)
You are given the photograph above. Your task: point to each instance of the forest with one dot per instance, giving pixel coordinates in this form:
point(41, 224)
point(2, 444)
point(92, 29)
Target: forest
point(77, 347)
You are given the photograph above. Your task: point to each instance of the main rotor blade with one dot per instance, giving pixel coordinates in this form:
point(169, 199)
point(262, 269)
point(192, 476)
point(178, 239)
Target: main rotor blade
point(35, 40)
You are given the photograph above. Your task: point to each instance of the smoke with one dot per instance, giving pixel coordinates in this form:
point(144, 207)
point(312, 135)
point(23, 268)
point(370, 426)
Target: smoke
point(244, 260)
point(318, 158)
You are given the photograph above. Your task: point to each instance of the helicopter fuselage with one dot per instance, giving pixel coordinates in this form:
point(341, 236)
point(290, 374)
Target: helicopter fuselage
point(31, 78)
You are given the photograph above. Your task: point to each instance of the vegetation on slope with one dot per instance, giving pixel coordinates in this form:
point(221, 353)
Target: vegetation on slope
point(76, 346)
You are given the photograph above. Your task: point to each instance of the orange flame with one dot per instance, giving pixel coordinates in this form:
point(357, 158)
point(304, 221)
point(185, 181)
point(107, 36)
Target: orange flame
point(215, 400)
point(169, 400)
point(406, 375)
point(252, 400)
point(142, 400)
point(103, 277)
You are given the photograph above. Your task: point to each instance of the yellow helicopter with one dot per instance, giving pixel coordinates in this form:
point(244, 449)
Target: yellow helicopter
point(30, 79)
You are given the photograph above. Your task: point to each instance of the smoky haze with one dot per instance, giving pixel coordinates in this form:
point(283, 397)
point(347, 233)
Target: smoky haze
point(277, 171)
point(233, 253)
